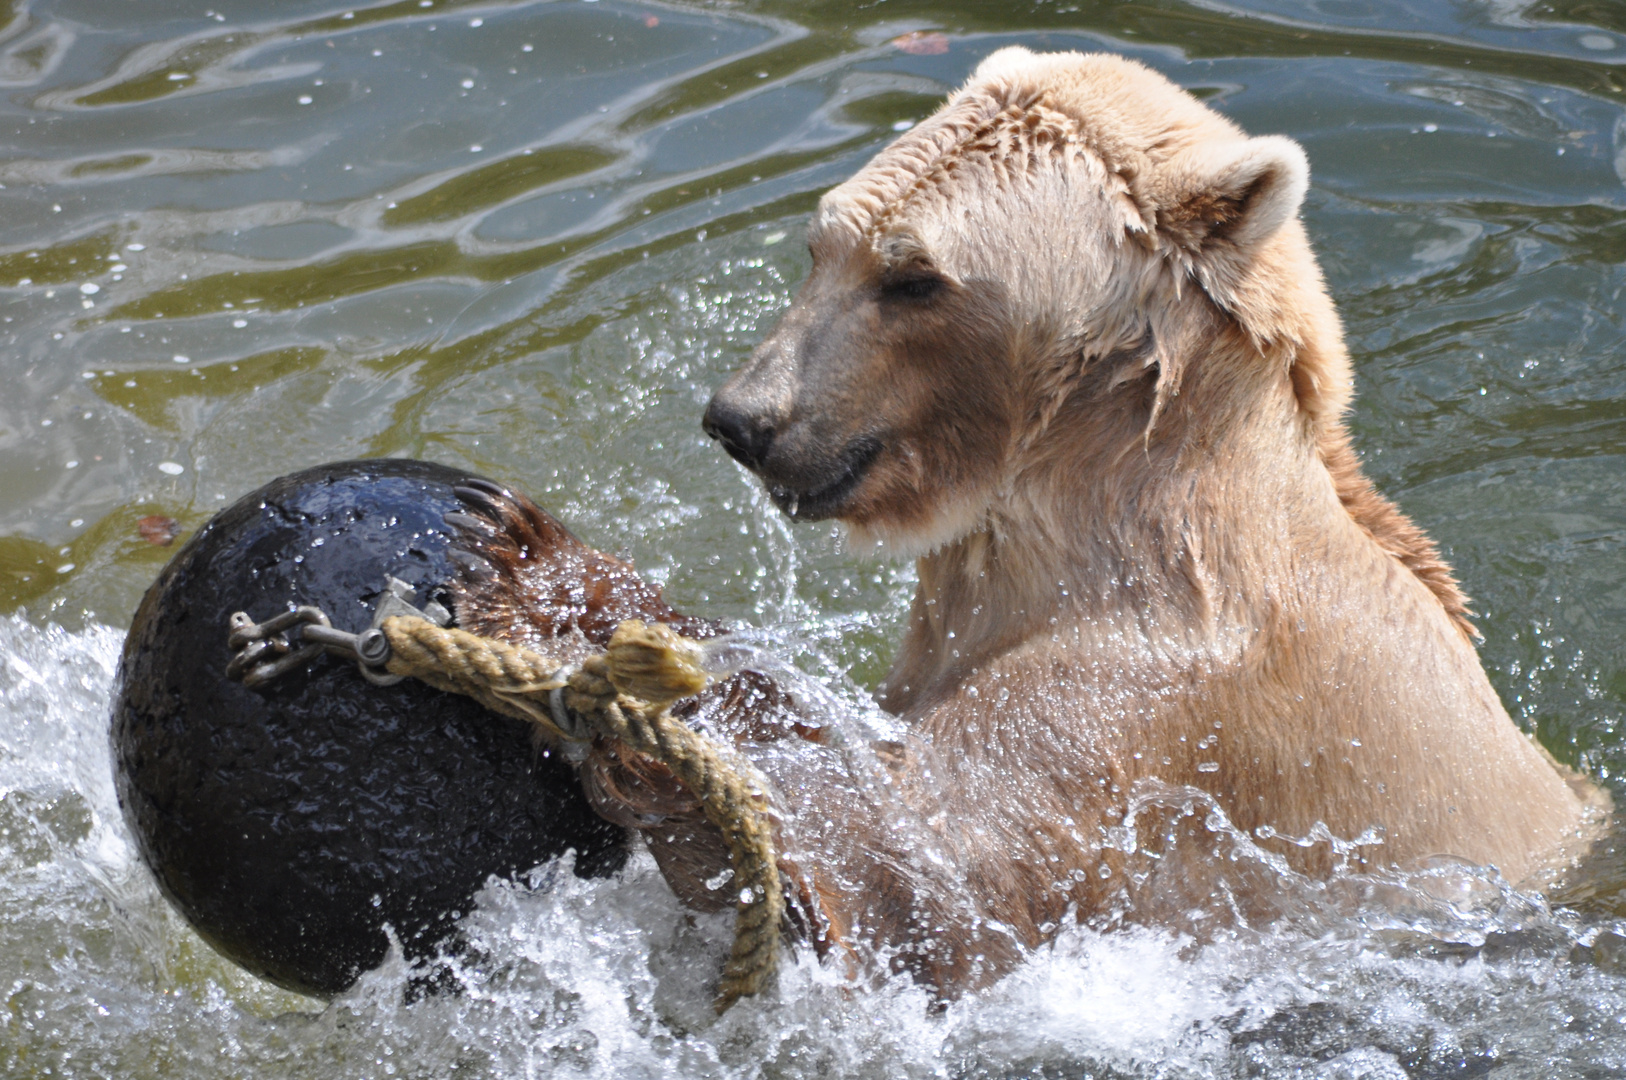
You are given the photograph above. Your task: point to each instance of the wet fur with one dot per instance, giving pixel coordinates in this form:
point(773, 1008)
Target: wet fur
point(526, 579)
point(1110, 424)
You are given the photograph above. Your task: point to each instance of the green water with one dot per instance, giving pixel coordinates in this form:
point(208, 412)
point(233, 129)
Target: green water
point(529, 238)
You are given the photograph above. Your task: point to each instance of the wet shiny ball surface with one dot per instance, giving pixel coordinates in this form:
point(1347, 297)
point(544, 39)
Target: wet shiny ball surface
point(292, 823)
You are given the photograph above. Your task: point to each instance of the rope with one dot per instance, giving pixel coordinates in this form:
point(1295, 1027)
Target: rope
point(625, 693)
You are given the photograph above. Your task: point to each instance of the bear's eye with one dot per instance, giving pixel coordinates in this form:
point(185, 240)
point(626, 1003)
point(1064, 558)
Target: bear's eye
point(915, 286)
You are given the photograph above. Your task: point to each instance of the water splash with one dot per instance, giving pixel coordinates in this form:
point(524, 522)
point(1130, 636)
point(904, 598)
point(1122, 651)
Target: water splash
point(1445, 973)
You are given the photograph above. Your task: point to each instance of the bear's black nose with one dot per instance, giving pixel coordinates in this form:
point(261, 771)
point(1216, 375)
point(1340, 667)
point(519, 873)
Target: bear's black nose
point(744, 433)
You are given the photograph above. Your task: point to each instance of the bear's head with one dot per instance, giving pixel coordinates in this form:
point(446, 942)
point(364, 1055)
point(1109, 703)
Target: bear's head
point(1065, 224)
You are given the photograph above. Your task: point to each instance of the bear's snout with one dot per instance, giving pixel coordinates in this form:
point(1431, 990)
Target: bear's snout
point(745, 432)
point(806, 476)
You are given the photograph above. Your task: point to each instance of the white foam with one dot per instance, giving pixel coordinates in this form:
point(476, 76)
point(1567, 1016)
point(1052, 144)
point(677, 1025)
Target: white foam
point(573, 978)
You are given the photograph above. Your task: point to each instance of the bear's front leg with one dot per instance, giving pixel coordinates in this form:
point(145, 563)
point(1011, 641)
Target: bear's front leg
point(871, 876)
point(866, 876)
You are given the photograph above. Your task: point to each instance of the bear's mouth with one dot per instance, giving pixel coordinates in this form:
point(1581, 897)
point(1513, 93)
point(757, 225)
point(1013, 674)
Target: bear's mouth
point(826, 501)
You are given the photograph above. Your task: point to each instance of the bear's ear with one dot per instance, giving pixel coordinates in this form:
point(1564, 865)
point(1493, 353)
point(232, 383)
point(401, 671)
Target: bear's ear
point(1220, 202)
point(1002, 61)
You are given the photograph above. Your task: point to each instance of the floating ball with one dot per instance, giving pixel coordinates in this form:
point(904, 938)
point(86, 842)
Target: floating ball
point(290, 824)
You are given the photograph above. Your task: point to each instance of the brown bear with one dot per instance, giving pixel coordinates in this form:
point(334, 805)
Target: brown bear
point(1066, 343)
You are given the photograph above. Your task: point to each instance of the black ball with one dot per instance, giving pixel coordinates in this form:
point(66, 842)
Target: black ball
point(290, 823)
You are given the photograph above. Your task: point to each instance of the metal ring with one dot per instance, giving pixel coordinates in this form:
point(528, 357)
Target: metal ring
point(563, 718)
point(373, 648)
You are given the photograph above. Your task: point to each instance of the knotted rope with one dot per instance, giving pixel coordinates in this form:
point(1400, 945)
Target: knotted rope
point(625, 693)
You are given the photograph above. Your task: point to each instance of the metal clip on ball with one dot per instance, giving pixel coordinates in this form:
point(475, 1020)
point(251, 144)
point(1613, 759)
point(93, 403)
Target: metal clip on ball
point(265, 651)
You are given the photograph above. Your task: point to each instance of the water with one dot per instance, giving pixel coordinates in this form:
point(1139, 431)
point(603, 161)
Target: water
point(531, 246)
